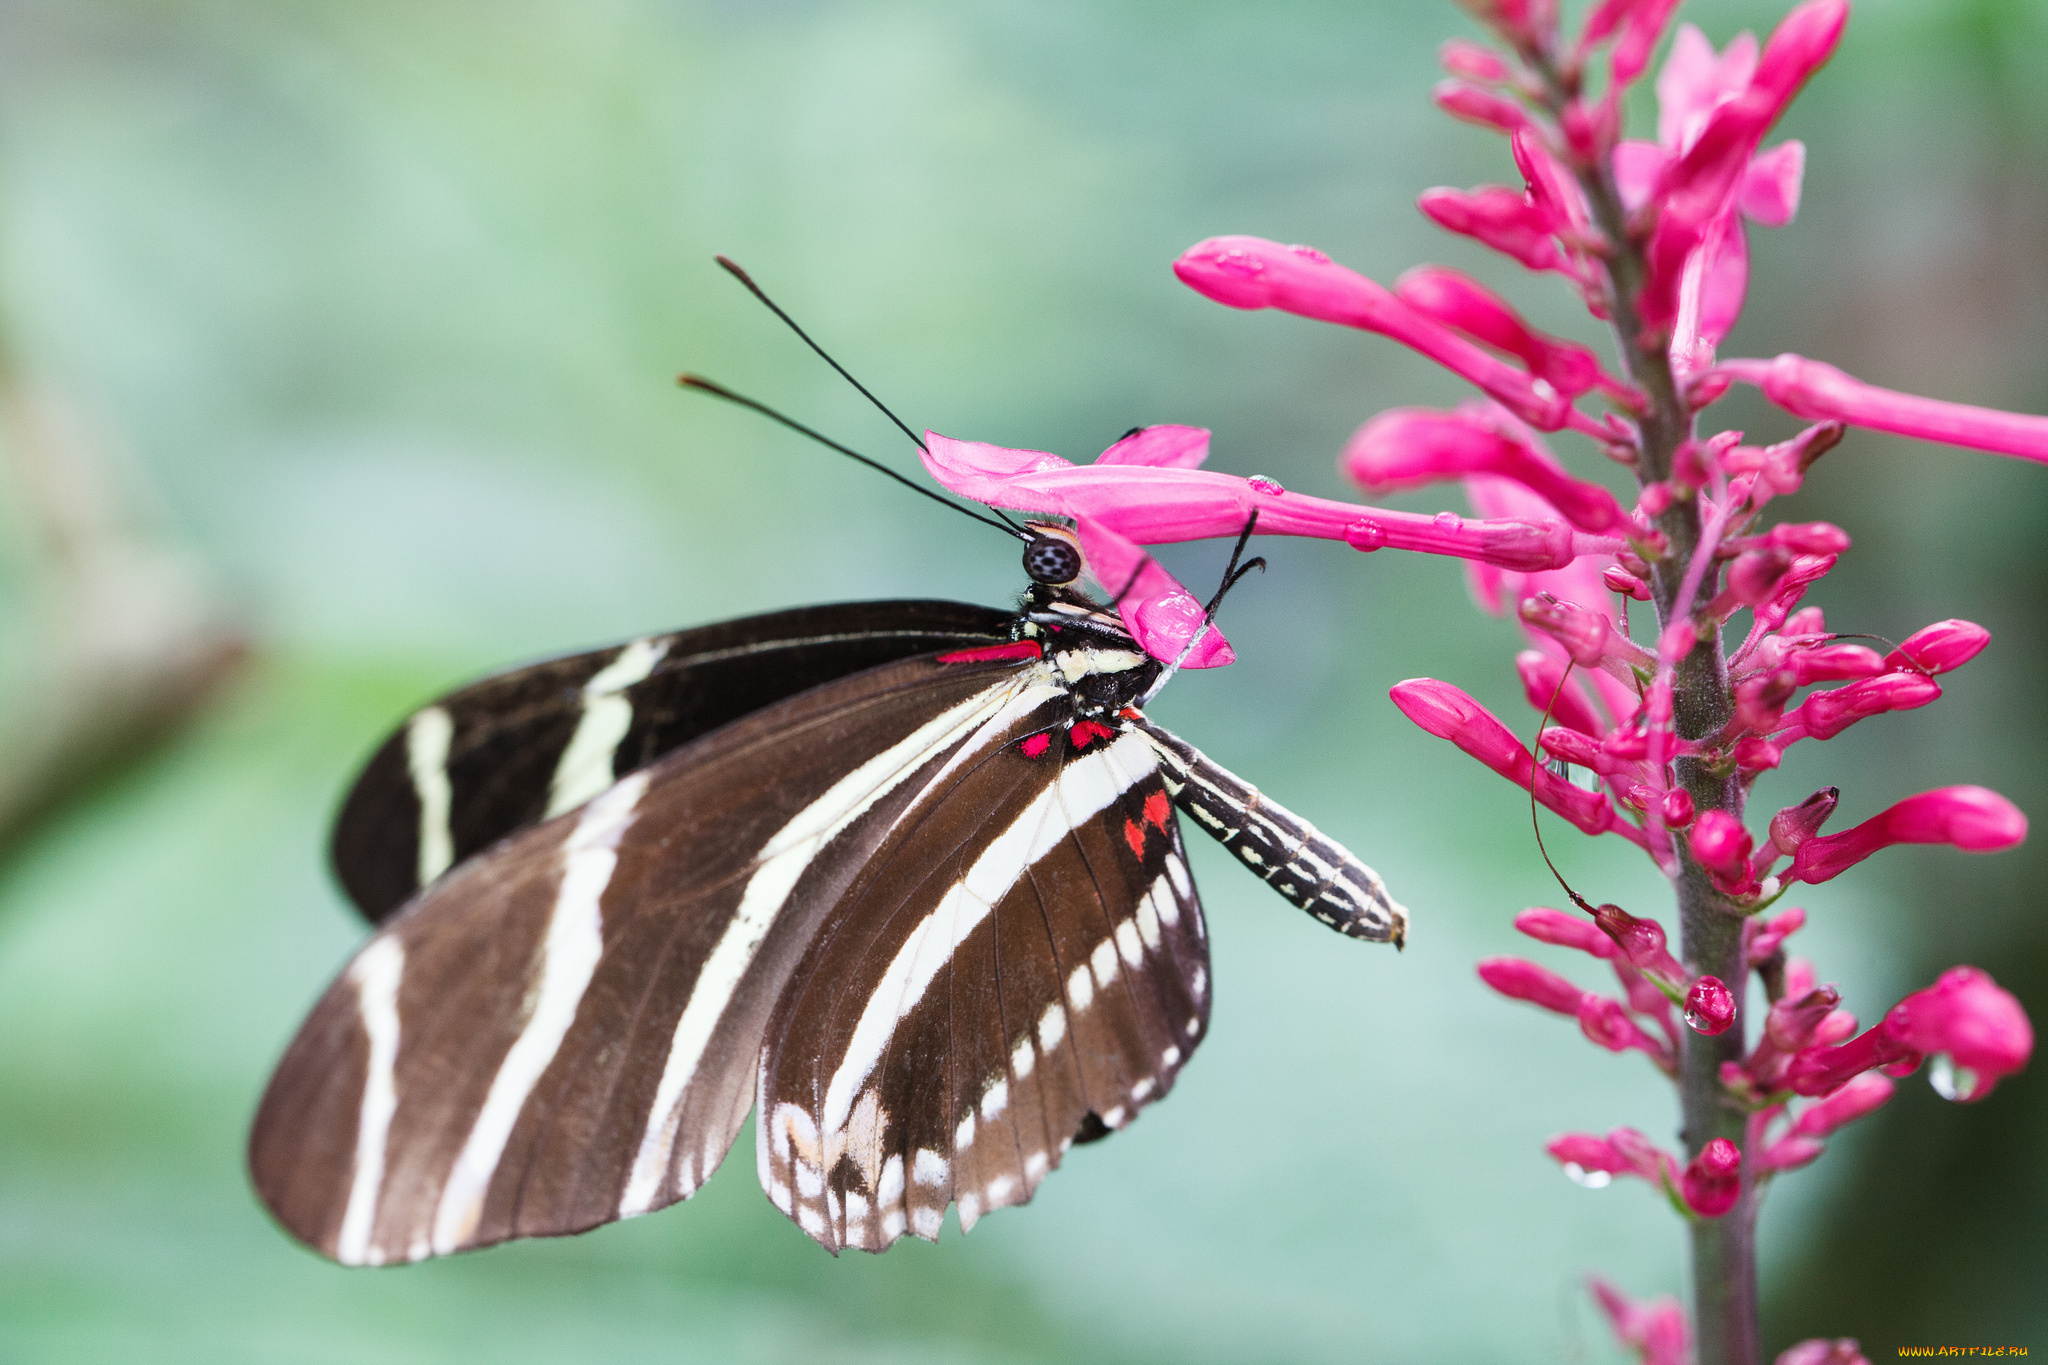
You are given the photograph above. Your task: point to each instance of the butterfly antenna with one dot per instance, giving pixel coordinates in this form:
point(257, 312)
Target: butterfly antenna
point(717, 390)
point(1535, 750)
point(732, 268)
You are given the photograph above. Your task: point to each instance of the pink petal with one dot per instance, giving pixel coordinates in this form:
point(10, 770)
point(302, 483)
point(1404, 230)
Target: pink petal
point(1814, 390)
point(1541, 675)
point(983, 472)
point(1471, 104)
point(1695, 81)
point(1637, 165)
point(1770, 187)
point(1972, 818)
point(1409, 447)
point(1471, 61)
point(1160, 614)
point(1160, 447)
point(1820, 1351)
point(1499, 217)
point(1638, 39)
point(1656, 1330)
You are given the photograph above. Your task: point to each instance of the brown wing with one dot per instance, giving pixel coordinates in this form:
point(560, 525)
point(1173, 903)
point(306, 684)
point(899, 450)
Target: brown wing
point(564, 1030)
point(1022, 966)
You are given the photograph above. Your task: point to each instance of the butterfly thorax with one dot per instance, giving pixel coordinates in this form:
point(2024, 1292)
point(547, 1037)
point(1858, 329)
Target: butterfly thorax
point(1088, 652)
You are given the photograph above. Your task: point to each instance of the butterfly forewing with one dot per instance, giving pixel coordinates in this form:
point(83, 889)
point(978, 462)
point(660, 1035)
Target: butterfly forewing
point(564, 1030)
point(505, 753)
point(1022, 964)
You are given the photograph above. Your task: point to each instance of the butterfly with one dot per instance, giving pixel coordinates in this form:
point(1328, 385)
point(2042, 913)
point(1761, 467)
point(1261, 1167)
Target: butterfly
point(904, 878)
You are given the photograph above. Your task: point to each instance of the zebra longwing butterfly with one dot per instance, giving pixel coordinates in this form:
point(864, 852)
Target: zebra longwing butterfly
point(905, 877)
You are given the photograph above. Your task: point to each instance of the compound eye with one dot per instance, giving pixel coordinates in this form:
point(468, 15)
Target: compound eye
point(1052, 561)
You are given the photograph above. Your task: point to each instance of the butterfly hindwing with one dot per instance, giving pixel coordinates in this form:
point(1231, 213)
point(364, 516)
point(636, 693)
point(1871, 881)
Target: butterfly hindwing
point(994, 988)
point(512, 750)
point(564, 1030)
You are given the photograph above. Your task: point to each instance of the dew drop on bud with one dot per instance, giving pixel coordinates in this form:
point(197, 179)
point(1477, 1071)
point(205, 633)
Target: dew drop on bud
point(1261, 484)
point(1591, 1179)
point(1449, 521)
point(1240, 263)
point(1950, 1081)
point(1367, 535)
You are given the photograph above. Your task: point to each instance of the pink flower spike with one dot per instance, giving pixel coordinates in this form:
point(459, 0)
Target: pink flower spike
point(1709, 1007)
point(1541, 678)
point(1251, 272)
point(1859, 1097)
point(1470, 104)
point(1655, 1330)
point(1823, 715)
point(1459, 301)
point(1820, 1351)
point(1713, 1180)
point(1408, 447)
point(1813, 390)
point(1520, 979)
point(1974, 819)
point(1471, 61)
point(1941, 647)
point(1566, 931)
point(1967, 1019)
point(1449, 713)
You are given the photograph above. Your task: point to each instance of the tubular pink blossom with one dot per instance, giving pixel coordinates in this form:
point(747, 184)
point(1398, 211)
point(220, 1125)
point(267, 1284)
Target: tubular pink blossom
point(1449, 713)
point(1607, 1023)
point(1642, 944)
point(1823, 715)
point(1859, 1097)
point(1471, 104)
point(1638, 38)
point(1556, 193)
point(1655, 1330)
point(1408, 447)
point(1938, 648)
point(1834, 663)
point(1588, 1153)
point(1459, 301)
point(1713, 1180)
point(1471, 61)
point(1251, 272)
point(1966, 1017)
point(1566, 931)
point(1499, 217)
point(1794, 825)
point(1972, 818)
point(1814, 390)
point(1710, 1006)
point(1541, 676)
point(1520, 979)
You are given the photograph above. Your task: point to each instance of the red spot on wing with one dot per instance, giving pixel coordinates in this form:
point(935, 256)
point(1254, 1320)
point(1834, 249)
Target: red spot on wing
point(1085, 732)
point(1134, 835)
point(1034, 746)
point(1158, 810)
point(982, 654)
point(1131, 713)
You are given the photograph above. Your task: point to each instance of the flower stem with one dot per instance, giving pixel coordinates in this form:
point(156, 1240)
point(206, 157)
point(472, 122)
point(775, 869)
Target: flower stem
point(1710, 933)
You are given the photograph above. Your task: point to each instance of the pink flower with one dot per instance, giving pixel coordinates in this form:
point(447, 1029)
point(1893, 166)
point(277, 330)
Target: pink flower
point(1457, 300)
point(1941, 647)
point(1449, 713)
point(1824, 715)
point(1712, 1181)
point(1710, 1006)
point(1819, 1351)
point(1722, 846)
point(1520, 979)
point(1251, 272)
point(1655, 1330)
point(1977, 1031)
point(1409, 447)
point(1801, 1143)
point(1624, 1151)
point(1972, 818)
point(1813, 390)
point(1566, 931)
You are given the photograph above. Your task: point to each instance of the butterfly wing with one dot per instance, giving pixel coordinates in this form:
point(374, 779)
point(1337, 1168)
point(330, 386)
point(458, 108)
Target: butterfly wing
point(1022, 965)
point(564, 1030)
point(507, 752)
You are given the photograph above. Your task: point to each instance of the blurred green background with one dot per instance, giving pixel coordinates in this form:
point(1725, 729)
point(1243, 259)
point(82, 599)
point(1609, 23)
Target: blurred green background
point(374, 306)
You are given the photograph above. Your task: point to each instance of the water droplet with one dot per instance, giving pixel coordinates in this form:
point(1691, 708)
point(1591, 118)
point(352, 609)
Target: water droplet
point(1592, 1180)
point(1449, 521)
point(1261, 484)
point(1366, 535)
point(1697, 1022)
point(1950, 1081)
point(1310, 253)
point(1240, 263)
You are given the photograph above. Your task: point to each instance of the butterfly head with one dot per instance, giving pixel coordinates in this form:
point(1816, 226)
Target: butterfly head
point(1053, 556)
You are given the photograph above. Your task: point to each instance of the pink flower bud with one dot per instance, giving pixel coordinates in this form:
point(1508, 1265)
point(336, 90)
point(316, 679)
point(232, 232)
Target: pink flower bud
point(1793, 1022)
point(1810, 389)
point(1713, 1180)
point(1809, 538)
point(1855, 1099)
point(1972, 818)
point(1607, 1023)
point(1565, 930)
point(1819, 1351)
point(1583, 1155)
point(1408, 447)
point(1940, 647)
point(1676, 808)
point(1463, 58)
point(1722, 846)
point(1826, 714)
point(1470, 104)
point(1834, 663)
point(1656, 500)
point(1520, 979)
point(1755, 575)
point(1709, 1007)
point(1794, 825)
point(1624, 582)
point(1757, 755)
point(1788, 1154)
point(1820, 1070)
point(1654, 1331)
point(1499, 217)
point(1584, 634)
point(1764, 937)
point(1570, 746)
point(1540, 676)
point(1642, 944)
point(1457, 300)
point(1966, 1018)
point(1760, 701)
